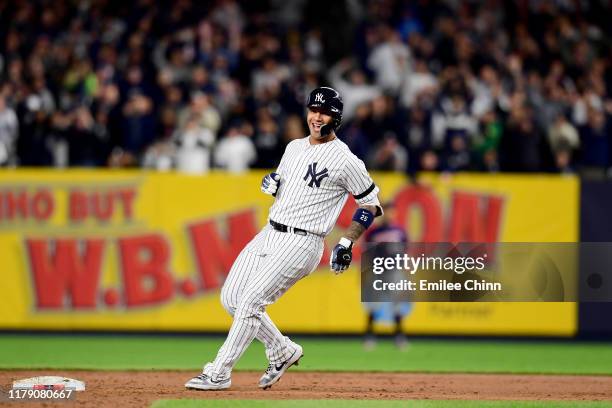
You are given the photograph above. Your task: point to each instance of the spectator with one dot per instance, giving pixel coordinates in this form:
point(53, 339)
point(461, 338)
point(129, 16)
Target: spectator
point(35, 142)
point(595, 142)
point(293, 129)
point(417, 139)
point(138, 123)
point(488, 92)
point(194, 144)
point(457, 155)
point(355, 90)
point(390, 61)
point(267, 140)
point(85, 139)
point(486, 148)
point(9, 131)
point(389, 155)
point(383, 120)
point(46, 98)
point(522, 144)
point(161, 155)
point(354, 134)
point(452, 118)
point(419, 82)
point(429, 161)
point(270, 76)
point(236, 151)
point(200, 80)
point(202, 111)
point(564, 140)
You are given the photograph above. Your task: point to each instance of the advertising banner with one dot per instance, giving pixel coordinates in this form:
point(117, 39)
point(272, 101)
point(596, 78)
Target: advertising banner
point(123, 250)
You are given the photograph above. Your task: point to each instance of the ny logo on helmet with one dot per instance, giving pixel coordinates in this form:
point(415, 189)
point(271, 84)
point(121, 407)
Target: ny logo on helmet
point(319, 98)
point(315, 178)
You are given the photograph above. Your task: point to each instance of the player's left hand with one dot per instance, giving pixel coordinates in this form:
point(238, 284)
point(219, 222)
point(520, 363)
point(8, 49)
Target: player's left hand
point(341, 256)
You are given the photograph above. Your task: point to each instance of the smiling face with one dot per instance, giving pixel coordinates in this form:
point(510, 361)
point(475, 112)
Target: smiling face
point(315, 119)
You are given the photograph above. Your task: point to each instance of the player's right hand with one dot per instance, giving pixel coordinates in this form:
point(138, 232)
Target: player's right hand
point(270, 183)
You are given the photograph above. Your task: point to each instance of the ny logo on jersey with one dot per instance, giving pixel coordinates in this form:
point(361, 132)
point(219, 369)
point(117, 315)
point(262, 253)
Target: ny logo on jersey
point(315, 178)
point(319, 98)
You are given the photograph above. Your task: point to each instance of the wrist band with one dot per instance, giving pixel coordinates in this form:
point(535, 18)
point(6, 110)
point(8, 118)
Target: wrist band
point(345, 242)
point(363, 217)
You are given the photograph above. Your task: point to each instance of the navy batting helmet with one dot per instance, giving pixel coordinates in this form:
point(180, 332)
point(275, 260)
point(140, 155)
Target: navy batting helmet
point(329, 101)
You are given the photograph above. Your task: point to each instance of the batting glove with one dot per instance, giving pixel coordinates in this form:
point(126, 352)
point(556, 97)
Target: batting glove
point(341, 256)
point(270, 183)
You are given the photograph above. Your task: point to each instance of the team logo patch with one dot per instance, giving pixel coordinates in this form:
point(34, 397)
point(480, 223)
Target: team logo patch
point(319, 98)
point(315, 177)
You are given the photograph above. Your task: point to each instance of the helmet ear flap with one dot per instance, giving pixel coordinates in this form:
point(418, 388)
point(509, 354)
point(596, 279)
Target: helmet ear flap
point(336, 123)
point(327, 129)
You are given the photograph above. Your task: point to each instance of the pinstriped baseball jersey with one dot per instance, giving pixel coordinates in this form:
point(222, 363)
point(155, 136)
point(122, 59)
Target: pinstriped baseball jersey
point(315, 183)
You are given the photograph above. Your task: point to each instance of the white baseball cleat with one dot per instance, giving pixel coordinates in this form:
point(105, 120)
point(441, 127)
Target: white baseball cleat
point(204, 382)
point(274, 372)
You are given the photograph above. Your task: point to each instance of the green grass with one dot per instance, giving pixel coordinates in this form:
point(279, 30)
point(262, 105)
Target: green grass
point(189, 353)
point(373, 404)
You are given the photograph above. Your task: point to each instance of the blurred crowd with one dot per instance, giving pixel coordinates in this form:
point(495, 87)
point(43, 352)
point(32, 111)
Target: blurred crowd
point(521, 86)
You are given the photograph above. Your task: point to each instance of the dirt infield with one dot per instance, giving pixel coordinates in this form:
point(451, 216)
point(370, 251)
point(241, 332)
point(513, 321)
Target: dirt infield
point(141, 388)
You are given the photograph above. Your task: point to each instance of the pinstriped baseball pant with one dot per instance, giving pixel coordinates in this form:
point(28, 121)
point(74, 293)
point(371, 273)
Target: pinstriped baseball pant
point(265, 269)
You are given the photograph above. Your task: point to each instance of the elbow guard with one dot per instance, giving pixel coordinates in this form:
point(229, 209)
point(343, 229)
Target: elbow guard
point(363, 217)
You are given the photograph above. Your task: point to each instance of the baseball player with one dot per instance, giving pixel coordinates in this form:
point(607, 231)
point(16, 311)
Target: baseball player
point(386, 230)
point(311, 185)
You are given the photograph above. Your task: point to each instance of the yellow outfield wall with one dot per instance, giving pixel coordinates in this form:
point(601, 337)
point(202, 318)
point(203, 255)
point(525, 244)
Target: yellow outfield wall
point(131, 250)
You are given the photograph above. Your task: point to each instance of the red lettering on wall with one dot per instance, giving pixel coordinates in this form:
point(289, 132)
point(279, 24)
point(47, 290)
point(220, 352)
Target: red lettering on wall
point(214, 254)
point(16, 204)
point(42, 205)
point(474, 218)
point(102, 205)
point(65, 271)
point(127, 199)
point(145, 267)
point(424, 200)
point(77, 206)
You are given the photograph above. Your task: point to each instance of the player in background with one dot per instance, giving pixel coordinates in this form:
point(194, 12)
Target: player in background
point(385, 230)
point(311, 185)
